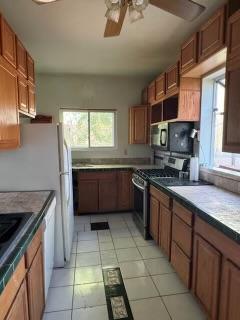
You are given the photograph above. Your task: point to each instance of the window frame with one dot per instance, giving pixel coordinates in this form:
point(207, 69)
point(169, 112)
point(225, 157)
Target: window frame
point(89, 111)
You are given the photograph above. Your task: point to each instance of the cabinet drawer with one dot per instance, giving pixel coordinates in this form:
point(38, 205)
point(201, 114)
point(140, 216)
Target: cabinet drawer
point(181, 263)
point(97, 175)
point(160, 196)
point(182, 235)
point(33, 247)
point(183, 213)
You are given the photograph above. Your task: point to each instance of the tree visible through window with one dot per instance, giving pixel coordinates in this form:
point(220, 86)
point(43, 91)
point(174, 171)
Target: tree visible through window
point(89, 129)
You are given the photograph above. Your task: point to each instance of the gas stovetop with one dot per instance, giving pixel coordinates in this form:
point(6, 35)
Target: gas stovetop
point(158, 173)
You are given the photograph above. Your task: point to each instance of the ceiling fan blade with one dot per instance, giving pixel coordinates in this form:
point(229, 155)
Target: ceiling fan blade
point(186, 9)
point(113, 29)
point(44, 1)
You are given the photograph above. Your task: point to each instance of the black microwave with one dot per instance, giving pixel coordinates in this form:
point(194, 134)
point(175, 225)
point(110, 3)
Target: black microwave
point(172, 136)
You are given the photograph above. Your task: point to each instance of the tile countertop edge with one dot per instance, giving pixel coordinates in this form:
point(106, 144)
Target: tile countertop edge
point(9, 267)
point(202, 214)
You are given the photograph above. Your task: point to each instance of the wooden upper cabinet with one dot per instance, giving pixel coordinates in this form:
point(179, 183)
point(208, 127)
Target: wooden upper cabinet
point(125, 190)
point(145, 96)
point(35, 283)
point(31, 99)
point(172, 79)
point(160, 87)
point(19, 309)
point(22, 94)
point(206, 275)
point(212, 35)
point(8, 43)
point(21, 59)
point(189, 54)
point(154, 218)
point(138, 125)
point(229, 296)
point(9, 119)
point(30, 69)
point(152, 92)
point(233, 40)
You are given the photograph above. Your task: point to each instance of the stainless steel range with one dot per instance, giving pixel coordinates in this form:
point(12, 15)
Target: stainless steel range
point(140, 180)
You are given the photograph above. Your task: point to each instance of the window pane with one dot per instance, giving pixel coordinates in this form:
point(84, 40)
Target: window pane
point(102, 129)
point(76, 128)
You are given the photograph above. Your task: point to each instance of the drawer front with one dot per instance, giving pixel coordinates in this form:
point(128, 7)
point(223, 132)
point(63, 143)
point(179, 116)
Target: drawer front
point(182, 235)
point(33, 247)
point(161, 197)
point(182, 264)
point(183, 213)
point(97, 175)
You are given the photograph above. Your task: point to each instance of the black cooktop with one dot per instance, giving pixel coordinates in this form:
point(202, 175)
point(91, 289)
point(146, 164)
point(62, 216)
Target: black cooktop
point(12, 227)
point(157, 173)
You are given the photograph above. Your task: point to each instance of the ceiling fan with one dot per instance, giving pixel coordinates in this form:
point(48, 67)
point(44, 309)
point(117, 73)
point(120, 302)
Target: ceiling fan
point(117, 9)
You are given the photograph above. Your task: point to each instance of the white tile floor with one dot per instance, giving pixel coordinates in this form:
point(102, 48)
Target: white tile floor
point(155, 292)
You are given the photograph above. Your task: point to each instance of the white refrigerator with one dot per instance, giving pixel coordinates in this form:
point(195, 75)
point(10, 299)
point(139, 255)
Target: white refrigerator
point(44, 162)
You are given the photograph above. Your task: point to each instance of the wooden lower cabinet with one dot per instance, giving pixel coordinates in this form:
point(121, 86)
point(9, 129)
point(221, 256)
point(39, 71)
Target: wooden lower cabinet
point(230, 288)
point(182, 235)
point(206, 275)
point(19, 309)
point(154, 218)
point(35, 284)
point(108, 193)
point(181, 263)
point(165, 229)
point(124, 190)
point(88, 196)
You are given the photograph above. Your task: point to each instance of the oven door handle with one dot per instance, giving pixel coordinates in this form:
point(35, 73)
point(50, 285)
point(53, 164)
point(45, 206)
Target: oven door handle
point(137, 185)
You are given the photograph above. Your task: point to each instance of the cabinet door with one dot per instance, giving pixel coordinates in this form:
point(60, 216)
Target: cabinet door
point(182, 235)
point(189, 54)
point(212, 35)
point(160, 86)
point(31, 100)
point(9, 119)
point(21, 59)
point(181, 263)
point(8, 43)
point(22, 94)
point(125, 192)
point(172, 79)
point(19, 309)
point(165, 226)
point(30, 69)
point(151, 92)
point(35, 283)
point(230, 288)
point(206, 275)
point(154, 218)
point(139, 125)
point(108, 194)
point(234, 38)
point(87, 196)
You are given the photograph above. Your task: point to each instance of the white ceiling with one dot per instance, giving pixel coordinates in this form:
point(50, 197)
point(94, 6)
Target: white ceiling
point(67, 37)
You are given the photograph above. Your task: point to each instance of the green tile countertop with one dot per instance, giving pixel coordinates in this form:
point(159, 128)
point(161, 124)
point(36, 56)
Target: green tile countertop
point(37, 202)
point(112, 167)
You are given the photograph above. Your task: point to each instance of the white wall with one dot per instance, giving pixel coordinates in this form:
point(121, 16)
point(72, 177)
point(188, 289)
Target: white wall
point(94, 92)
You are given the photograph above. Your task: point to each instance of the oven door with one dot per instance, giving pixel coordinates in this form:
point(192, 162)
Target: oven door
point(140, 203)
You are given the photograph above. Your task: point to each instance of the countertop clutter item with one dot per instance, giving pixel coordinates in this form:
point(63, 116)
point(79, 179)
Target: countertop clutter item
point(194, 169)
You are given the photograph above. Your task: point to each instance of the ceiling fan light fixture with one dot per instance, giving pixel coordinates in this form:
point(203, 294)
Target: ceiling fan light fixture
point(113, 15)
point(44, 1)
point(140, 5)
point(134, 15)
point(113, 4)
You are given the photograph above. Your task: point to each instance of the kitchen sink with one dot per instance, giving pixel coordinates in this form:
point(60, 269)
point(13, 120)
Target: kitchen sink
point(12, 228)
